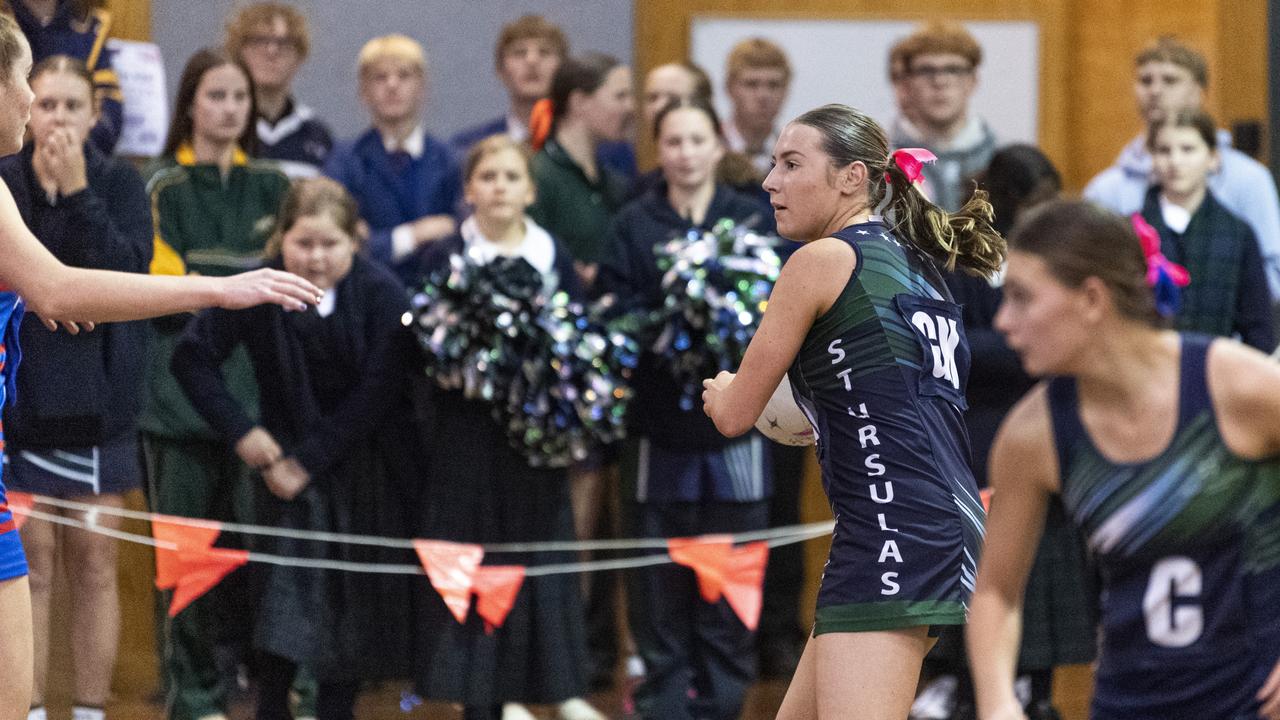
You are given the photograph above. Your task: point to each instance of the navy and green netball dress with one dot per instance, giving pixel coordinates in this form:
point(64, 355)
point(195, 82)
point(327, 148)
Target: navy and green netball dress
point(13, 563)
point(1188, 545)
point(881, 376)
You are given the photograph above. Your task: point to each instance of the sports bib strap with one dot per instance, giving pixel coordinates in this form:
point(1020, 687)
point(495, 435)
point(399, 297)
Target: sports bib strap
point(1064, 411)
point(1193, 396)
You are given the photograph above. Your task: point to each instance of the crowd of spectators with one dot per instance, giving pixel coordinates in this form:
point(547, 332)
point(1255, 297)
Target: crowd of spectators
point(320, 420)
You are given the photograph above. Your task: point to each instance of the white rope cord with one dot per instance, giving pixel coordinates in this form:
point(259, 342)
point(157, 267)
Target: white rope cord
point(814, 530)
point(797, 532)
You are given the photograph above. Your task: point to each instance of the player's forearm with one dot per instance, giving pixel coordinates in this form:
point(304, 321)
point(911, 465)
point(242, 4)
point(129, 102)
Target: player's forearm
point(80, 294)
point(993, 634)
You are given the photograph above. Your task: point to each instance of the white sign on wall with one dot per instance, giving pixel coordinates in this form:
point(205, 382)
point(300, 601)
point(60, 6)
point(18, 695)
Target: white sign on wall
point(847, 61)
point(140, 68)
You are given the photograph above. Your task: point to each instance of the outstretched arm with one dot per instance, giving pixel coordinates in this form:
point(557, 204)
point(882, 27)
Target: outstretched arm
point(54, 290)
point(1023, 469)
point(808, 286)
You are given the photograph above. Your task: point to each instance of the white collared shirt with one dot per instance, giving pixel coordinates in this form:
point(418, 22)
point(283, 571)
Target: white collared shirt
point(517, 129)
point(413, 144)
point(537, 247)
point(763, 160)
point(1175, 217)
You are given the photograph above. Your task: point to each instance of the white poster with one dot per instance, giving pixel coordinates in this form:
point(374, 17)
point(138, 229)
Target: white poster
point(847, 61)
point(140, 68)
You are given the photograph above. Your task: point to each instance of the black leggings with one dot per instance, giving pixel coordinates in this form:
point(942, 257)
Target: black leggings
point(335, 700)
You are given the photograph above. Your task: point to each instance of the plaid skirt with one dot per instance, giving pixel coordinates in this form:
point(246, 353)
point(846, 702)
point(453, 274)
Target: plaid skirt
point(1060, 608)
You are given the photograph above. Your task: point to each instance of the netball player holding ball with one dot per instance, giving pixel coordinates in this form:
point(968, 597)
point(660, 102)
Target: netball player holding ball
point(861, 322)
point(30, 274)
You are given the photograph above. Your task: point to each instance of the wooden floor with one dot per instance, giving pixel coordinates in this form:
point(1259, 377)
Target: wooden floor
point(135, 687)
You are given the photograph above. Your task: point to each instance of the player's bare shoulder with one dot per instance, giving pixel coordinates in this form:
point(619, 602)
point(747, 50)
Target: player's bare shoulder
point(1244, 385)
point(1024, 447)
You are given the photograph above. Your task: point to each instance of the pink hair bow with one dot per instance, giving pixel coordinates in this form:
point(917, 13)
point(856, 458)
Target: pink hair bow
point(1163, 275)
point(911, 162)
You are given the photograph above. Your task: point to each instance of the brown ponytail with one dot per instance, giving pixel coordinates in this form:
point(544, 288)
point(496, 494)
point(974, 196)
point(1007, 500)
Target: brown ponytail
point(963, 239)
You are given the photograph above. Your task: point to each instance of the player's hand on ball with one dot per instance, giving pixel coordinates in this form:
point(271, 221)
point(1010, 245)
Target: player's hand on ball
point(264, 286)
point(711, 391)
point(1269, 696)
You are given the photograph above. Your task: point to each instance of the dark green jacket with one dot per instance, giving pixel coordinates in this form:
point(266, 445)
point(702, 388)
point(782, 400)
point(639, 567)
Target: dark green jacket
point(576, 211)
point(207, 226)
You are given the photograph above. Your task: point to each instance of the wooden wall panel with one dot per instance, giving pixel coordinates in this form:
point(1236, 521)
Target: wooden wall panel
point(130, 19)
point(1240, 77)
point(1087, 46)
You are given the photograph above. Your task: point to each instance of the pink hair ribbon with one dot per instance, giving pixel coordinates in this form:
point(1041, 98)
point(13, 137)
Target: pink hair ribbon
point(911, 162)
point(1163, 275)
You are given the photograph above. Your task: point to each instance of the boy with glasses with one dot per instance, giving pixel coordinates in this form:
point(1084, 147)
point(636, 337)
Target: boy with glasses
point(936, 67)
point(272, 40)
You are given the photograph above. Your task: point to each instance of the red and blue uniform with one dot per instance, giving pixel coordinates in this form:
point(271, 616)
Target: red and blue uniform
point(13, 562)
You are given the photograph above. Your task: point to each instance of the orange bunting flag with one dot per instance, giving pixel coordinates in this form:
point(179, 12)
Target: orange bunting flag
point(985, 495)
point(194, 566)
point(496, 587)
point(19, 504)
point(451, 568)
point(735, 573)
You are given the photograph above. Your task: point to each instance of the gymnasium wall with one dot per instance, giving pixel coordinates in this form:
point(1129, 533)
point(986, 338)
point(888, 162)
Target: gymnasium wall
point(458, 36)
point(1086, 109)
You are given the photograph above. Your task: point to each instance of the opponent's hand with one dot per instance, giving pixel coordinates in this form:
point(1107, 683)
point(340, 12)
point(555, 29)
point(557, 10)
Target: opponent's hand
point(264, 286)
point(712, 393)
point(286, 478)
point(1269, 696)
point(258, 449)
point(71, 326)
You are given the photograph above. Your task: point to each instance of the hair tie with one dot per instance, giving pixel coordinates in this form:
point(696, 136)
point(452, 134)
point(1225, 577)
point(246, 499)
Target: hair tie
point(911, 162)
point(1163, 276)
point(540, 122)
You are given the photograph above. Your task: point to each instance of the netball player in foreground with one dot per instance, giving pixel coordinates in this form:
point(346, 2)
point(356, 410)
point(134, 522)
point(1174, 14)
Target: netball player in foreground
point(30, 274)
point(862, 323)
point(1165, 448)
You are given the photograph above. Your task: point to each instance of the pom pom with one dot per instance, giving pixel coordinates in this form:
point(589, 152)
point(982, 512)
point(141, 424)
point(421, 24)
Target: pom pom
point(717, 285)
point(554, 374)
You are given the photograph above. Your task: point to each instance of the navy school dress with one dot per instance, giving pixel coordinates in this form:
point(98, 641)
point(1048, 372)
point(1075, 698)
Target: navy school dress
point(881, 376)
point(1188, 546)
point(481, 490)
point(334, 395)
